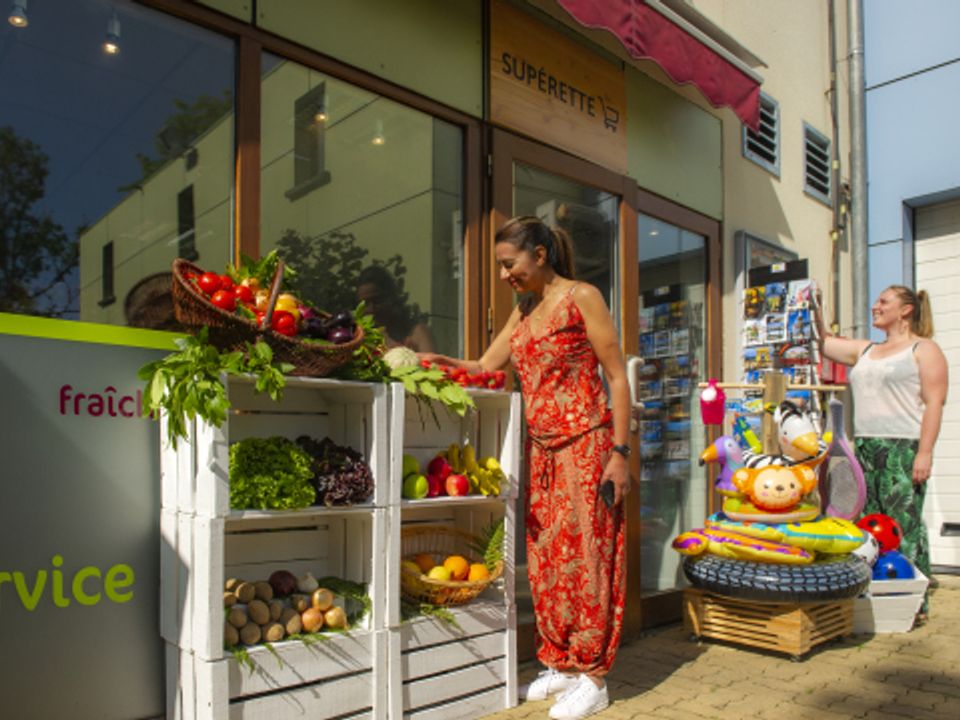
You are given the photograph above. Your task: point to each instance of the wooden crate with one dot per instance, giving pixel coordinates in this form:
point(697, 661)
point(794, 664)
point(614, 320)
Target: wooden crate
point(791, 628)
point(889, 606)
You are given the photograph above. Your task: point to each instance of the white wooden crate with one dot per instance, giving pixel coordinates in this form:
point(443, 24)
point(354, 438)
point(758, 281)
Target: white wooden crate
point(889, 606)
point(195, 476)
point(456, 671)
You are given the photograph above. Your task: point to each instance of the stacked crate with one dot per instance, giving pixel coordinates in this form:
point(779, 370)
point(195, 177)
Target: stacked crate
point(203, 542)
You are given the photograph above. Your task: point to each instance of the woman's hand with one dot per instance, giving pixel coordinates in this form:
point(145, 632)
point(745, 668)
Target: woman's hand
point(618, 471)
point(922, 464)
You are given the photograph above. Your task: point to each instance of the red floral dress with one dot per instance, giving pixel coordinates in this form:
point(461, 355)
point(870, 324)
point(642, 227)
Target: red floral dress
point(575, 544)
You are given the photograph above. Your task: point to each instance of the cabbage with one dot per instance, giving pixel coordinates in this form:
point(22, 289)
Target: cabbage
point(400, 357)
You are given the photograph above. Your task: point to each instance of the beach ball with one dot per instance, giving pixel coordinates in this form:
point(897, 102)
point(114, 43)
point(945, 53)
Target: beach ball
point(893, 566)
point(869, 551)
point(884, 528)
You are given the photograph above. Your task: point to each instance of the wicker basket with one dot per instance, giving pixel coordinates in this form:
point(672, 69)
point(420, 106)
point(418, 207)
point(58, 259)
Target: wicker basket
point(231, 332)
point(439, 542)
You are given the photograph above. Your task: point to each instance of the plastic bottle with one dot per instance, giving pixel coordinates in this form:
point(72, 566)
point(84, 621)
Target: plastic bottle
point(712, 403)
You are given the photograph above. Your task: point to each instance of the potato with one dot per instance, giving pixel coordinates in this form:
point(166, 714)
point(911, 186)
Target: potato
point(258, 612)
point(231, 636)
point(290, 619)
point(276, 609)
point(237, 617)
point(231, 584)
point(245, 592)
point(250, 634)
point(263, 591)
point(229, 599)
point(273, 632)
point(299, 602)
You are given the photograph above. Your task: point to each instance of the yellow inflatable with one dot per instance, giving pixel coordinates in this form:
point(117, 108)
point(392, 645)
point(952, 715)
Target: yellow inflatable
point(735, 546)
point(829, 535)
point(740, 508)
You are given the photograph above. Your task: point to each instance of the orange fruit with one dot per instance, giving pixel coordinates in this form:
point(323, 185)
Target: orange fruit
point(478, 571)
point(458, 566)
point(425, 561)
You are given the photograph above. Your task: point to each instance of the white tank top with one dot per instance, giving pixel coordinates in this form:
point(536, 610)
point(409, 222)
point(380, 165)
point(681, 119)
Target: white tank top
point(886, 393)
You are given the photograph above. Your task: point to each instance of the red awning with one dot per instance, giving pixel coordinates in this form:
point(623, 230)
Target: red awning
point(647, 34)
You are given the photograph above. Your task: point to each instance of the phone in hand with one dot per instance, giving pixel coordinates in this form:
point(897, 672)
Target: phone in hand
point(608, 493)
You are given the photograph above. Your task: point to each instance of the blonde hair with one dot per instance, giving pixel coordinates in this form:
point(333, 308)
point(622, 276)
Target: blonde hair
point(527, 232)
point(921, 319)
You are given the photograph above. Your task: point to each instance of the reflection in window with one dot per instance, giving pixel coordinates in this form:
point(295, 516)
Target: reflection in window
point(106, 276)
point(673, 494)
point(105, 145)
point(375, 211)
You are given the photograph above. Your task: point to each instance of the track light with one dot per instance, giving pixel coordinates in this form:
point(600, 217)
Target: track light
point(320, 114)
point(111, 45)
point(378, 136)
point(18, 14)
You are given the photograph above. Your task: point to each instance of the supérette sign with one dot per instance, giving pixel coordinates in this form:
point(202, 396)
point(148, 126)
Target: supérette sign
point(547, 86)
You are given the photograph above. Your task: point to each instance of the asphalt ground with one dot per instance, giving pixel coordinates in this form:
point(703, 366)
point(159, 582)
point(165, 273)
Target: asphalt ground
point(667, 675)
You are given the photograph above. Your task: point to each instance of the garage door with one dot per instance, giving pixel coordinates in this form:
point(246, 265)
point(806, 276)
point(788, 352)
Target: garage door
point(937, 252)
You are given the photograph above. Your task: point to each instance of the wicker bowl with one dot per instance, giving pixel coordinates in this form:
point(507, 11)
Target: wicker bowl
point(231, 332)
point(439, 542)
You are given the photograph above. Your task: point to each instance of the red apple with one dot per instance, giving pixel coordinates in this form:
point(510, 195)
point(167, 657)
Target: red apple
point(434, 486)
point(439, 467)
point(457, 484)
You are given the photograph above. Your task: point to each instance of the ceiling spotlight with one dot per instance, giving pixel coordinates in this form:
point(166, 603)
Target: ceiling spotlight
point(111, 45)
point(378, 137)
point(18, 14)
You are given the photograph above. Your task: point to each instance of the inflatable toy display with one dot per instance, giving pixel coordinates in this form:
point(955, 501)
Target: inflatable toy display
point(775, 487)
point(726, 452)
point(832, 579)
point(738, 547)
point(830, 536)
point(884, 528)
point(739, 508)
point(796, 432)
point(892, 565)
point(869, 551)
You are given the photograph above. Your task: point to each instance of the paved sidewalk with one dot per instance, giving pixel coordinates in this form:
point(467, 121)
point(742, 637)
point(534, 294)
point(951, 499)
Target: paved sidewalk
point(665, 675)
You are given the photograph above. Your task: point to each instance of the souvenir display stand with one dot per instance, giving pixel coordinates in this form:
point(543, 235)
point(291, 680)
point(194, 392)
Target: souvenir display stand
point(375, 669)
point(464, 666)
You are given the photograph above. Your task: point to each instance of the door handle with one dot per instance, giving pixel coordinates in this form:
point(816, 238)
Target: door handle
point(634, 363)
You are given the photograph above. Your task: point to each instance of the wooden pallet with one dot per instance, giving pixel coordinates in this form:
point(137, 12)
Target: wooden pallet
point(791, 628)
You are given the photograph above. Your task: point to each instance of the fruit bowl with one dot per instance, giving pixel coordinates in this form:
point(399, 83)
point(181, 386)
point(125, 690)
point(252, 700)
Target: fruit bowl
point(438, 542)
point(231, 332)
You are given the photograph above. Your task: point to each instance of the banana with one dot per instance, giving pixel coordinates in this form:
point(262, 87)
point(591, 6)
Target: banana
point(490, 463)
point(485, 484)
point(453, 457)
point(469, 458)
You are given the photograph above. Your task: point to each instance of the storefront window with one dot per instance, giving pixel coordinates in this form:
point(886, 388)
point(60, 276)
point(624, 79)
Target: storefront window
point(673, 493)
point(114, 158)
point(363, 197)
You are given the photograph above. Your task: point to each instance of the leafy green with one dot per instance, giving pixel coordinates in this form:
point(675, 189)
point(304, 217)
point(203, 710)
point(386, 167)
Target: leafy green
point(489, 544)
point(410, 610)
point(263, 271)
point(366, 364)
point(350, 590)
point(188, 383)
point(270, 474)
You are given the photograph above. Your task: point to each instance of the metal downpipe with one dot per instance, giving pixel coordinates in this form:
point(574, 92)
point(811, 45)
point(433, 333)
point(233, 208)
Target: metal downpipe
point(858, 173)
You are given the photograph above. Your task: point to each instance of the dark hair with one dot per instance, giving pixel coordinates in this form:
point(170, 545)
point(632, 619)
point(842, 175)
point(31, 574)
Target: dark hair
point(528, 233)
point(391, 307)
point(921, 319)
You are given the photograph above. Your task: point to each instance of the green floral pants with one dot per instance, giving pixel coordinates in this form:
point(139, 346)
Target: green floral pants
point(888, 470)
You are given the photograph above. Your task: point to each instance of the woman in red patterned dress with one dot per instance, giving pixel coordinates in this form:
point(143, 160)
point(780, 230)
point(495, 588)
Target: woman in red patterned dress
point(556, 338)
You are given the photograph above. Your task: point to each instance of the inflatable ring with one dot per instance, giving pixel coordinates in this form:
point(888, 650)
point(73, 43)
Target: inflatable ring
point(736, 546)
point(827, 535)
point(740, 508)
point(832, 579)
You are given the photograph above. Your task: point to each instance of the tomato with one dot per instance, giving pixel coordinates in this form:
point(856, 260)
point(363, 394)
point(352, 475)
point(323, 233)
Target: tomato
point(426, 364)
point(225, 300)
point(226, 282)
point(260, 316)
point(209, 282)
point(244, 293)
point(284, 323)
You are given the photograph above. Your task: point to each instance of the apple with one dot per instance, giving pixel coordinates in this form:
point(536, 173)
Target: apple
point(439, 467)
point(434, 486)
point(439, 572)
point(415, 486)
point(457, 484)
point(410, 465)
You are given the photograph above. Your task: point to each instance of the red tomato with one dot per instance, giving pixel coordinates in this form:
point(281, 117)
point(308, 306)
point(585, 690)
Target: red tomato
point(244, 294)
point(284, 323)
point(260, 316)
point(426, 364)
point(226, 282)
point(209, 282)
point(225, 300)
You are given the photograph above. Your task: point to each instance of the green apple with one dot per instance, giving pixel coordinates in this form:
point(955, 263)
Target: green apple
point(439, 572)
point(410, 465)
point(415, 486)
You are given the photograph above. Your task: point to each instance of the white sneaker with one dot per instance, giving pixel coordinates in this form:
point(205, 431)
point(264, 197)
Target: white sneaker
point(549, 682)
point(580, 700)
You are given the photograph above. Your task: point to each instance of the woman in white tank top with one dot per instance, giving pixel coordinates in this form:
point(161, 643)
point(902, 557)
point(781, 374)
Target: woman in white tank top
point(899, 387)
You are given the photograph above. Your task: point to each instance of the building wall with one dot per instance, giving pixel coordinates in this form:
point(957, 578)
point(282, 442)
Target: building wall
point(912, 101)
